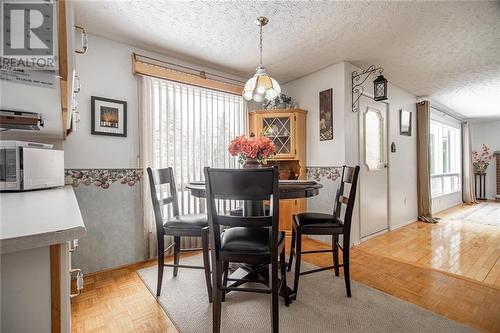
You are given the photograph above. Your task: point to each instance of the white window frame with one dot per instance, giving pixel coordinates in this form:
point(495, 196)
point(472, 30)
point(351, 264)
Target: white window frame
point(455, 158)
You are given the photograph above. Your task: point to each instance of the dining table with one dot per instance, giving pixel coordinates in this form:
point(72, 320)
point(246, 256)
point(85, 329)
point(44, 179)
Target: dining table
point(288, 189)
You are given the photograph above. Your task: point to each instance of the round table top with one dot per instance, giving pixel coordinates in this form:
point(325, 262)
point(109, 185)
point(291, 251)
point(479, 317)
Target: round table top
point(289, 189)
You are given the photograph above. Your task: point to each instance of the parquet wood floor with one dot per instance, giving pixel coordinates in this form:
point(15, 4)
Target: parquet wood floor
point(118, 301)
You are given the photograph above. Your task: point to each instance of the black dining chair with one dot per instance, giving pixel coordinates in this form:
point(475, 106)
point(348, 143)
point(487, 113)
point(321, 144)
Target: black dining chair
point(252, 240)
point(188, 225)
point(327, 224)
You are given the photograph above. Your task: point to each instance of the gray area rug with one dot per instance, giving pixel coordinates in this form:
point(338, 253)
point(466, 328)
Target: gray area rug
point(322, 306)
point(484, 213)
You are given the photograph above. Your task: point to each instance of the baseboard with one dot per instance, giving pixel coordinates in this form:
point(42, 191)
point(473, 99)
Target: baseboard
point(402, 224)
point(451, 205)
point(378, 233)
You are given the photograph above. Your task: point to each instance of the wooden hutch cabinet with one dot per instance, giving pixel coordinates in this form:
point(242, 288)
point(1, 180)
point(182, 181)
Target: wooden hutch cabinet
point(287, 129)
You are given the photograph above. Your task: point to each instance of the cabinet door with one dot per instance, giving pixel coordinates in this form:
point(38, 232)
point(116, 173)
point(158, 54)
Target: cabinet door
point(287, 209)
point(280, 128)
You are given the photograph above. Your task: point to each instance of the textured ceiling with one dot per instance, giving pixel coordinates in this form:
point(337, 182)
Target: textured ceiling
point(448, 51)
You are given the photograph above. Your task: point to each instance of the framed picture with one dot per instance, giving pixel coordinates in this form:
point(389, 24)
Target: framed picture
point(109, 116)
point(326, 115)
point(404, 122)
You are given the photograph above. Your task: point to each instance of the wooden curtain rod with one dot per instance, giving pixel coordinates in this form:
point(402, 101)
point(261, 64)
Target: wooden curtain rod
point(199, 78)
point(202, 74)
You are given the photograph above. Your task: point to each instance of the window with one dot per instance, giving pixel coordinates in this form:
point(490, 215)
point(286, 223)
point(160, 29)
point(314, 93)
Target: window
point(445, 158)
point(374, 138)
point(192, 128)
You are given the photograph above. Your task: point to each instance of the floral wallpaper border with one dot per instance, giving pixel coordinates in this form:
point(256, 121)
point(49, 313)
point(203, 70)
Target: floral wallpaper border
point(327, 172)
point(102, 177)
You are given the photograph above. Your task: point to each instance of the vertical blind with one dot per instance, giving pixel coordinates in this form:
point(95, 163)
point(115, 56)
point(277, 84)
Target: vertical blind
point(187, 128)
point(192, 128)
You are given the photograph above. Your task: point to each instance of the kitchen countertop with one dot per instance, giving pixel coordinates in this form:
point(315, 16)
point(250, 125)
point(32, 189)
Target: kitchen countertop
point(39, 218)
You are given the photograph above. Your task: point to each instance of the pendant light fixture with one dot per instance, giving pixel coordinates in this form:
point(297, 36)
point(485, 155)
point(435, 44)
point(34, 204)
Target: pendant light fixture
point(261, 86)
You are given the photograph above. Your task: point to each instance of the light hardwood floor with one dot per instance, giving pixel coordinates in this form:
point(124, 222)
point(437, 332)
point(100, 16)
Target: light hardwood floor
point(468, 249)
point(118, 301)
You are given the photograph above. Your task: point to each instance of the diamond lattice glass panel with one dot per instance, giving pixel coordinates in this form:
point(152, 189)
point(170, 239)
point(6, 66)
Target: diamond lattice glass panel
point(278, 130)
point(374, 149)
point(380, 89)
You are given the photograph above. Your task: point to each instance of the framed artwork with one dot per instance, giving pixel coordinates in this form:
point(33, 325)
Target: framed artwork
point(109, 117)
point(326, 115)
point(404, 122)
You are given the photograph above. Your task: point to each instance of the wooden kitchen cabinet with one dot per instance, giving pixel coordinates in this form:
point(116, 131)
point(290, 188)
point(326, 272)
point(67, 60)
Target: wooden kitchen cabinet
point(287, 129)
point(69, 80)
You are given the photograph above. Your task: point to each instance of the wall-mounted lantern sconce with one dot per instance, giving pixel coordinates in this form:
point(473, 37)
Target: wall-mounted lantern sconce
point(379, 85)
point(380, 88)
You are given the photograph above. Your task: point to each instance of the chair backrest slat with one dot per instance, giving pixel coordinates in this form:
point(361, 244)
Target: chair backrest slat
point(343, 199)
point(252, 185)
point(349, 176)
point(166, 201)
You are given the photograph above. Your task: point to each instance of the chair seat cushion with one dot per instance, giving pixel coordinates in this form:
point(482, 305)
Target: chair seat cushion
point(317, 220)
point(248, 240)
point(187, 221)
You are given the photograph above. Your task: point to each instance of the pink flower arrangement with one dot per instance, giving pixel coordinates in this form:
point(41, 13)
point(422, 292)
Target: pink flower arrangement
point(254, 147)
point(481, 159)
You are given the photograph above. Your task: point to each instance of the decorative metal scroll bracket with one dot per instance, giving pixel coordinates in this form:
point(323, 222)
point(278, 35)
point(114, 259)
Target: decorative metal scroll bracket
point(357, 80)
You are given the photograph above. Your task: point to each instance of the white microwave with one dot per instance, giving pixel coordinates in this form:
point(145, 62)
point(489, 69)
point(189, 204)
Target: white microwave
point(28, 166)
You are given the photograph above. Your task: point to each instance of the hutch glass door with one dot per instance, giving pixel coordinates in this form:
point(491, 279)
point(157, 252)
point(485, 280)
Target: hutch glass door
point(279, 128)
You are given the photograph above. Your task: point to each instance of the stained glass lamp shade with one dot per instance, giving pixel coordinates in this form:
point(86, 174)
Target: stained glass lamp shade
point(261, 87)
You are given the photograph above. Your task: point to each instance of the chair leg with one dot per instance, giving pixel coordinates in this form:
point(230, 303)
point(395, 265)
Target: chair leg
point(161, 262)
point(292, 249)
point(298, 257)
point(284, 286)
point(216, 296)
point(206, 263)
point(345, 256)
point(335, 247)
point(225, 272)
point(177, 253)
point(274, 295)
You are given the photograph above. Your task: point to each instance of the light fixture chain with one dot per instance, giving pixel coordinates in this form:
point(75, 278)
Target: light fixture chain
point(261, 45)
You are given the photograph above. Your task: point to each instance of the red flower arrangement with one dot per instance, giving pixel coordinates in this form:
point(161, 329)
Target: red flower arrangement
point(481, 160)
point(253, 147)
